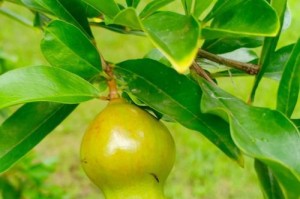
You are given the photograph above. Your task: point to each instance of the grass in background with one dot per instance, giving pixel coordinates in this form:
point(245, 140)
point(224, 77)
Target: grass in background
point(201, 170)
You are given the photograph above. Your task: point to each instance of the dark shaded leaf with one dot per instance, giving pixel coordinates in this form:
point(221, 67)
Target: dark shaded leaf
point(289, 85)
point(70, 11)
point(177, 97)
point(268, 182)
point(228, 44)
point(38, 119)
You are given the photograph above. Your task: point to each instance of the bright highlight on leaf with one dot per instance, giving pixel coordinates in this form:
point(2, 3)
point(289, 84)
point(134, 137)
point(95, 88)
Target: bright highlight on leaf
point(42, 83)
point(176, 36)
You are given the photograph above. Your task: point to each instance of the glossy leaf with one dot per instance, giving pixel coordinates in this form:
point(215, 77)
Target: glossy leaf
point(153, 6)
point(41, 83)
point(107, 7)
point(175, 35)
point(289, 85)
point(240, 19)
point(269, 183)
point(38, 119)
point(65, 46)
point(269, 46)
point(128, 18)
point(177, 97)
point(228, 44)
point(70, 11)
point(264, 134)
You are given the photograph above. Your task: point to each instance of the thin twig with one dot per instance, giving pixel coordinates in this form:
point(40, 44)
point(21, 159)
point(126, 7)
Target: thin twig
point(111, 82)
point(199, 70)
point(251, 69)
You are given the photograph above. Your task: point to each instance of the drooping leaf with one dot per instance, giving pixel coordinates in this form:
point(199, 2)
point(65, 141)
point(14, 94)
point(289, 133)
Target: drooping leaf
point(228, 44)
point(153, 6)
point(264, 134)
point(41, 83)
point(243, 18)
point(175, 96)
point(65, 46)
point(176, 36)
point(70, 11)
point(107, 7)
point(128, 18)
point(27, 127)
point(289, 85)
point(269, 46)
point(269, 184)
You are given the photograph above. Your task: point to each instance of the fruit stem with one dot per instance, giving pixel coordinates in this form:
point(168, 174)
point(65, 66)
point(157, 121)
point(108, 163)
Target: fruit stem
point(111, 82)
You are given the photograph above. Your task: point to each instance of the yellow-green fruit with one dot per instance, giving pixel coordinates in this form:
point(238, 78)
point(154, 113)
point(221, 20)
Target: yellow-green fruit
point(127, 153)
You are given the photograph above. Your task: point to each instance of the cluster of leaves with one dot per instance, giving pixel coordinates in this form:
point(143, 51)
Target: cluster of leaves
point(50, 94)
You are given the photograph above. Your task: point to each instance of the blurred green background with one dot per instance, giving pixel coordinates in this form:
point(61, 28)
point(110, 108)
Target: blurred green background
point(52, 169)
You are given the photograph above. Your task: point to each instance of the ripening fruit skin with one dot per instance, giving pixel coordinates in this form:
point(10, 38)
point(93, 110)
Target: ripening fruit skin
point(127, 152)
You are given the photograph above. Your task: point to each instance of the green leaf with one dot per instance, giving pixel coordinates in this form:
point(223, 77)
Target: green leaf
point(228, 44)
point(41, 83)
point(277, 62)
point(65, 46)
point(187, 5)
point(70, 11)
point(128, 18)
point(153, 6)
point(34, 5)
point(27, 127)
point(269, 46)
point(177, 97)
point(200, 6)
point(8, 190)
point(107, 7)
point(264, 134)
point(274, 68)
point(289, 85)
point(176, 36)
point(132, 3)
point(243, 18)
point(269, 184)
